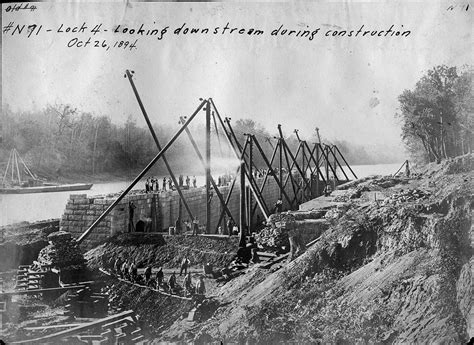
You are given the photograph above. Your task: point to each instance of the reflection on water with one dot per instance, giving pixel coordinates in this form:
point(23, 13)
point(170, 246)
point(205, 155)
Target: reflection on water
point(32, 207)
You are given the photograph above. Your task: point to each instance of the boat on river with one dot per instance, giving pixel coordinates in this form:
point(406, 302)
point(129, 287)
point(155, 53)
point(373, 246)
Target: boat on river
point(28, 182)
point(46, 188)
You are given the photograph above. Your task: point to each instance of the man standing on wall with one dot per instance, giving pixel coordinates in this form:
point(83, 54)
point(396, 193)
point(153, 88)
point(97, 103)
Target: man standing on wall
point(131, 211)
point(147, 185)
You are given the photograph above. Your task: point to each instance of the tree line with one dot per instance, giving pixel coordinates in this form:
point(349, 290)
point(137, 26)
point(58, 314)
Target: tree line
point(437, 115)
point(61, 139)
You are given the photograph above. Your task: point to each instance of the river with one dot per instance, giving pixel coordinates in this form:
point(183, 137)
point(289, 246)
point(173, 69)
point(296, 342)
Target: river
point(16, 208)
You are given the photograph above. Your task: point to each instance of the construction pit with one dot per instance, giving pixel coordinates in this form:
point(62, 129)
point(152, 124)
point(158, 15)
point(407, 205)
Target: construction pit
point(380, 260)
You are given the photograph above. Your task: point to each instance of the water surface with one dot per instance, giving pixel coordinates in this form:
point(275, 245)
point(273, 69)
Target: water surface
point(40, 206)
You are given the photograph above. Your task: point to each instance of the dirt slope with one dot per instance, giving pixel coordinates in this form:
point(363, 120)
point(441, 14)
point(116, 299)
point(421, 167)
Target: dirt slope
point(167, 251)
point(392, 271)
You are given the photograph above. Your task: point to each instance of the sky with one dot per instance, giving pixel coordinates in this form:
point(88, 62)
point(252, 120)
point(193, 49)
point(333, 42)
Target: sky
point(346, 86)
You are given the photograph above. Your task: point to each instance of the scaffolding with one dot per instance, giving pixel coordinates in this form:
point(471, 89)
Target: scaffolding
point(306, 170)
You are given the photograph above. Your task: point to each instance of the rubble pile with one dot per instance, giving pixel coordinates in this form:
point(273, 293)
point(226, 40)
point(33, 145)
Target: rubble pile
point(407, 196)
point(62, 251)
point(387, 181)
point(353, 193)
point(275, 235)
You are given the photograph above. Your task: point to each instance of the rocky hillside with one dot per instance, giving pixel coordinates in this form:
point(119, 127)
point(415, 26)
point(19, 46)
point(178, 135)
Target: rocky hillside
point(21, 243)
point(393, 267)
point(157, 250)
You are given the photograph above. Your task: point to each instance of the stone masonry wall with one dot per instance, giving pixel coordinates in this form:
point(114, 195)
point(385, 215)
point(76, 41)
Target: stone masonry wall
point(159, 210)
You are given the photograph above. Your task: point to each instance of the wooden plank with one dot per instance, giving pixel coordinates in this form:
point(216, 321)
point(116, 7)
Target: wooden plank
point(36, 291)
point(268, 255)
point(36, 328)
point(90, 337)
point(276, 260)
point(75, 330)
point(119, 323)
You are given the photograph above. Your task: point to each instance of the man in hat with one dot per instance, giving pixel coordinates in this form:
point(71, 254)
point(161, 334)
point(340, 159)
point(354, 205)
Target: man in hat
point(124, 270)
point(184, 266)
point(131, 212)
point(200, 286)
point(172, 282)
point(195, 226)
point(117, 266)
point(159, 278)
point(147, 275)
point(188, 284)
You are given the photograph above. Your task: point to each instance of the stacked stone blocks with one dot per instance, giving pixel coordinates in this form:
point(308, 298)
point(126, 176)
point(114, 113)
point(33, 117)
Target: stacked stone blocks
point(81, 211)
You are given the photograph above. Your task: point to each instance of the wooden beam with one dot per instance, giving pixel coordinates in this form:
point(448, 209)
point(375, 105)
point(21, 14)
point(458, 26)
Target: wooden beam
point(37, 291)
point(76, 330)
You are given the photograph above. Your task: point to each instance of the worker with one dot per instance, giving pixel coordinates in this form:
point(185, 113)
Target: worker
point(188, 225)
point(124, 271)
point(188, 284)
point(159, 278)
point(195, 226)
point(134, 272)
point(177, 226)
point(194, 182)
point(278, 206)
point(184, 266)
point(117, 266)
point(230, 226)
point(208, 269)
point(255, 258)
point(164, 183)
point(407, 169)
point(200, 286)
point(147, 185)
point(131, 212)
point(327, 190)
point(170, 184)
point(172, 282)
point(188, 180)
point(147, 275)
point(130, 272)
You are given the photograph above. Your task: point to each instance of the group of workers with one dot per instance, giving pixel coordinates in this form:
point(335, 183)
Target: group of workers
point(230, 228)
point(152, 184)
point(189, 226)
point(129, 271)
